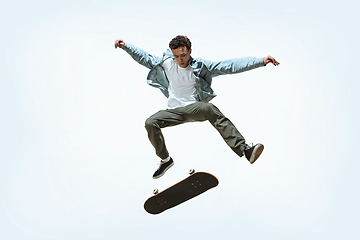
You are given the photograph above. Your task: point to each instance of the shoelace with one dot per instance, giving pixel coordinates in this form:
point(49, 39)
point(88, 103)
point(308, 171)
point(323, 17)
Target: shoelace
point(161, 163)
point(250, 145)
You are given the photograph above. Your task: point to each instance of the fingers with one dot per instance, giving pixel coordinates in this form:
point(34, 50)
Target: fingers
point(270, 59)
point(119, 43)
point(275, 62)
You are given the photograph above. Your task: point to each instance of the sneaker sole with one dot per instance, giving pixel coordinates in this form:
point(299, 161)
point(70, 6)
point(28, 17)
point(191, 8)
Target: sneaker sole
point(256, 153)
point(162, 174)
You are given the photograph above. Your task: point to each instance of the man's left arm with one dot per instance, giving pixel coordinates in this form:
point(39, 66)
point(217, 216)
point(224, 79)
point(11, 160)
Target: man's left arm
point(238, 65)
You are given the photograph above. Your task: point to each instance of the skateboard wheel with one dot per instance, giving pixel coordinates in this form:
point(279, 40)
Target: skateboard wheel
point(156, 191)
point(191, 171)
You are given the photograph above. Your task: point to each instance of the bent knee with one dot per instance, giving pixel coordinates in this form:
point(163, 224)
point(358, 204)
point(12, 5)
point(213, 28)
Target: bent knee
point(149, 122)
point(152, 123)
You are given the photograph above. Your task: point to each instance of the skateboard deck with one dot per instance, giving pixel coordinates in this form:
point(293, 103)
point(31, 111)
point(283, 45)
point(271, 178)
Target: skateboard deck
point(192, 186)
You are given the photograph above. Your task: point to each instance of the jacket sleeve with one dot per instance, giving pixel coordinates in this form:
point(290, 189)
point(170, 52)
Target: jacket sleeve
point(141, 56)
point(232, 66)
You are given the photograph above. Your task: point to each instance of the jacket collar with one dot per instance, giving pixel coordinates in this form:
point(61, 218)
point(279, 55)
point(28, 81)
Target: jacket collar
point(168, 54)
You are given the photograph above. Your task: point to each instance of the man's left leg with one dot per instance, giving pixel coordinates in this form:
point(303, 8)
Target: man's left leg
point(201, 111)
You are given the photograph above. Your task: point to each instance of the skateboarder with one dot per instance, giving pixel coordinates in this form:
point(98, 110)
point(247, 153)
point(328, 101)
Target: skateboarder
point(186, 82)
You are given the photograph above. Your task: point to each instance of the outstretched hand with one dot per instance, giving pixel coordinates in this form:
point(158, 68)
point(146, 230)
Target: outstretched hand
point(270, 59)
point(119, 43)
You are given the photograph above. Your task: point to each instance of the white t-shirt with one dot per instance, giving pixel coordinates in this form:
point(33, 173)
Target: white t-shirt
point(182, 90)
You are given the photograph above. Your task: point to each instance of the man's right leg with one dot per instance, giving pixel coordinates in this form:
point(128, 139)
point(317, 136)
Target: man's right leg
point(153, 125)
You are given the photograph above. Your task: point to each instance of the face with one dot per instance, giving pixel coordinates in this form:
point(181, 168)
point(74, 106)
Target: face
point(182, 56)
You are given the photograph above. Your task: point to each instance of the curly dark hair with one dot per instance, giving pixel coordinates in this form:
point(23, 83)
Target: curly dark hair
point(180, 41)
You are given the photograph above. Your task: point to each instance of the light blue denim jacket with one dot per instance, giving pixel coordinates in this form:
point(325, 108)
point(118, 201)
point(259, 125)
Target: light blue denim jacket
point(203, 70)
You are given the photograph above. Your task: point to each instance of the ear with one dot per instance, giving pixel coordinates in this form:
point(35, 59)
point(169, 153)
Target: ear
point(190, 51)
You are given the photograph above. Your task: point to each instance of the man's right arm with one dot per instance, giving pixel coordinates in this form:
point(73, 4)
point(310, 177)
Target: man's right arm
point(139, 55)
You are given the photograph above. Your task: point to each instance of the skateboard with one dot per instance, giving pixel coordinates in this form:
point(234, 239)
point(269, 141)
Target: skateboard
point(192, 186)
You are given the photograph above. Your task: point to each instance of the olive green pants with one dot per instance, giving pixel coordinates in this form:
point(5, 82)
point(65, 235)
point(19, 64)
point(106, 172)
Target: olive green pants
point(199, 112)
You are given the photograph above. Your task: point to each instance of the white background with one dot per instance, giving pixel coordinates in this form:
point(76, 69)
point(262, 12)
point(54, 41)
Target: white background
point(75, 159)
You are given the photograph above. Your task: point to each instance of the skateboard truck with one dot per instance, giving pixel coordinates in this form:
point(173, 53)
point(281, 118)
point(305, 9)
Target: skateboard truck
point(156, 191)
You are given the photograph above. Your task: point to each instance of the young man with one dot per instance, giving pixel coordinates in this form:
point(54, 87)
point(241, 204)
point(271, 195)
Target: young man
point(186, 82)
